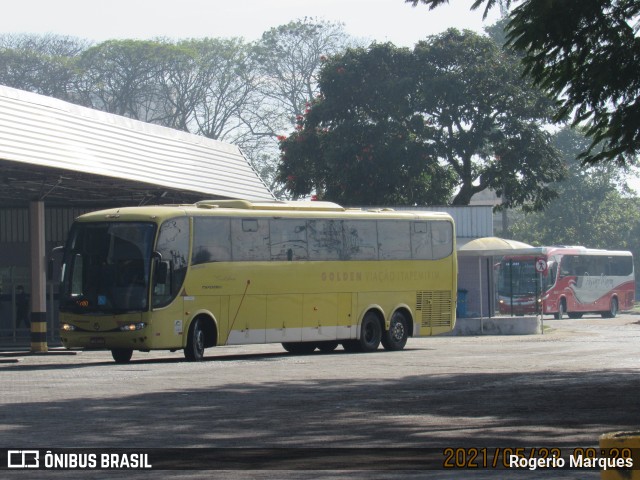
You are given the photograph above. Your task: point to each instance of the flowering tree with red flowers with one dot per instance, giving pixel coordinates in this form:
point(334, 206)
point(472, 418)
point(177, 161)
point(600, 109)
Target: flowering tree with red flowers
point(430, 126)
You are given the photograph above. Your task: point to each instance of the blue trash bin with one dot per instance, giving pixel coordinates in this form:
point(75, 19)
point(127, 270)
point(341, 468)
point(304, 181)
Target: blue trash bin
point(461, 306)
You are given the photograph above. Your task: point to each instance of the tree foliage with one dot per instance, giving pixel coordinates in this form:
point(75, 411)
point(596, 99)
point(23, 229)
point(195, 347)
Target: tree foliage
point(40, 64)
point(398, 126)
point(124, 77)
point(586, 54)
point(357, 144)
point(593, 208)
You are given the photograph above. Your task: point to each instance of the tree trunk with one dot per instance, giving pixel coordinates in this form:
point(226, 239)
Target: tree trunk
point(463, 197)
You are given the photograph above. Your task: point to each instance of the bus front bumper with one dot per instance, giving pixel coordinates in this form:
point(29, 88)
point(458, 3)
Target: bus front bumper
point(132, 339)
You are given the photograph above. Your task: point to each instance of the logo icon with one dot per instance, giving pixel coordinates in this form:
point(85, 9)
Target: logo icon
point(23, 459)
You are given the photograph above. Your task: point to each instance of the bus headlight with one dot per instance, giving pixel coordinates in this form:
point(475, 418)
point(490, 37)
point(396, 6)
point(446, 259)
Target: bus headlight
point(67, 327)
point(132, 327)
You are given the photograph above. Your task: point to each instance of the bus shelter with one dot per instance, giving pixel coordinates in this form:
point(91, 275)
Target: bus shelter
point(476, 264)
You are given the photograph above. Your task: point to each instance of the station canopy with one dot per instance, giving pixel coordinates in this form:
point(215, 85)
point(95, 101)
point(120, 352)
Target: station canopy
point(494, 247)
point(64, 154)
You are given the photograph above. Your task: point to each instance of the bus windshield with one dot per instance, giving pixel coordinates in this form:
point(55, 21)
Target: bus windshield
point(106, 267)
point(517, 277)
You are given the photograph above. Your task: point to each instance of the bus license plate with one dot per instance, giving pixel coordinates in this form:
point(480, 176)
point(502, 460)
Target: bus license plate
point(97, 341)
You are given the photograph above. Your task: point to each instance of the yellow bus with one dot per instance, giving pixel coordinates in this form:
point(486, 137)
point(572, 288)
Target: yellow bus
point(308, 275)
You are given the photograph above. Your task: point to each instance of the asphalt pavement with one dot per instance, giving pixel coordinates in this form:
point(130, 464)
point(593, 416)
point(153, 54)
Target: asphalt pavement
point(444, 397)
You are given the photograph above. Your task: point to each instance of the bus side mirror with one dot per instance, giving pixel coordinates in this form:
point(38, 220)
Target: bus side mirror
point(161, 270)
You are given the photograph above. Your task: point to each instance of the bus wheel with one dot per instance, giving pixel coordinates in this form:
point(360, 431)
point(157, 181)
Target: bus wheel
point(122, 355)
point(396, 337)
point(370, 332)
point(299, 348)
point(613, 309)
point(562, 309)
point(327, 347)
point(194, 351)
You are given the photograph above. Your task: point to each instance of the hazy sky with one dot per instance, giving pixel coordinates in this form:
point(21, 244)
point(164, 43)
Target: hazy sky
point(381, 20)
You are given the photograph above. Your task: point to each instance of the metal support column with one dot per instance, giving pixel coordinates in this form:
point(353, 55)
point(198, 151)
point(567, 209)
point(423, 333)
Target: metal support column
point(38, 277)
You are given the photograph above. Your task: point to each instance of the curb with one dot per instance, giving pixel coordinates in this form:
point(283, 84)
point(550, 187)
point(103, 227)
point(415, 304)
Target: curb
point(475, 326)
point(29, 353)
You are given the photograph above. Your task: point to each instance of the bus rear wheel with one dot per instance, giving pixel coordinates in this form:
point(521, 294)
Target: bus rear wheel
point(396, 337)
point(613, 309)
point(194, 351)
point(370, 333)
point(122, 355)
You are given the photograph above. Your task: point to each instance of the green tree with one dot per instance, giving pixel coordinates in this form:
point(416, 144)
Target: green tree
point(594, 207)
point(358, 142)
point(486, 120)
point(124, 77)
point(586, 54)
point(40, 64)
point(400, 126)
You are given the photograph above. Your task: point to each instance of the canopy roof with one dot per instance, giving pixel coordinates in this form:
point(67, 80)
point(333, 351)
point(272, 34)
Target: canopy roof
point(66, 154)
point(494, 246)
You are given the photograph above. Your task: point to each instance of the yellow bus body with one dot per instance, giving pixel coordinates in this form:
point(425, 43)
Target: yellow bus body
point(287, 301)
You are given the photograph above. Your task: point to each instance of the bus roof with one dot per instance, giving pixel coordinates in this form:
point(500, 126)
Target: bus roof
point(566, 250)
point(579, 250)
point(255, 209)
point(247, 205)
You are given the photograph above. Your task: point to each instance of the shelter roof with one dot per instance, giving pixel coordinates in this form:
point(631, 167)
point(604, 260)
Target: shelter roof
point(66, 154)
point(495, 246)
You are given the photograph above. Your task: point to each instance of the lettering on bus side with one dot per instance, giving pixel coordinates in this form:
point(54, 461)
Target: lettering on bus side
point(380, 276)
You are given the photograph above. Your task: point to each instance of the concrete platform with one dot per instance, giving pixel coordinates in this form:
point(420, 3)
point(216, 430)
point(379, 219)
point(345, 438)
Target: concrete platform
point(530, 325)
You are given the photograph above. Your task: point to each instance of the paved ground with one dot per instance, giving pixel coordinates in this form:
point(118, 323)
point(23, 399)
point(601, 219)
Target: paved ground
point(561, 389)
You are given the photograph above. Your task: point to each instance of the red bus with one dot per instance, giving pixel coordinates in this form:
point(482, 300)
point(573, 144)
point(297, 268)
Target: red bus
point(566, 280)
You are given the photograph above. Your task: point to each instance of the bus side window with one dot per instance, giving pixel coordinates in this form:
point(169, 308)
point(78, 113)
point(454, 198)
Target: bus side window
point(250, 240)
point(621, 266)
point(288, 239)
point(394, 240)
point(442, 239)
point(172, 254)
point(549, 278)
point(162, 280)
point(566, 267)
